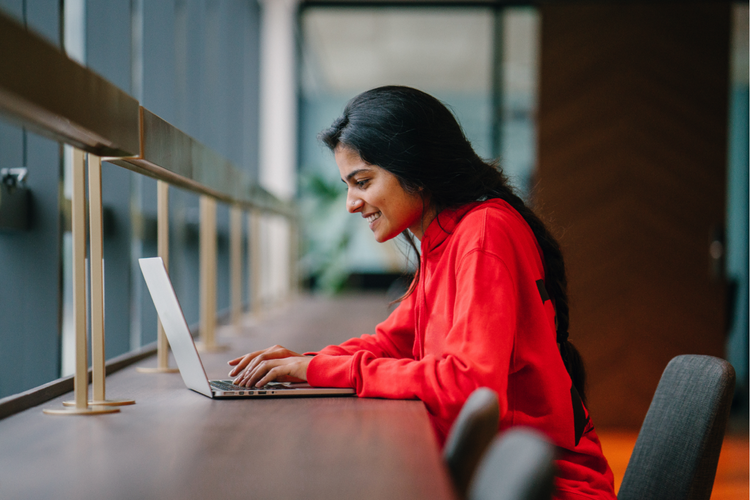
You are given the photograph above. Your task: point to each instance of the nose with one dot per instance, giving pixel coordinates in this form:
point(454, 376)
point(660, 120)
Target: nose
point(353, 203)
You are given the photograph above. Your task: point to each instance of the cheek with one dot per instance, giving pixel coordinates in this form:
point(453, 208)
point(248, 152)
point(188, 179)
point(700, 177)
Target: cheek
point(404, 214)
point(379, 199)
point(412, 209)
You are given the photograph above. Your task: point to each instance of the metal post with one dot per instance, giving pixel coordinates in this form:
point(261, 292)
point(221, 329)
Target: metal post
point(162, 345)
point(96, 263)
point(255, 262)
point(235, 274)
point(208, 275)
point(78, 227)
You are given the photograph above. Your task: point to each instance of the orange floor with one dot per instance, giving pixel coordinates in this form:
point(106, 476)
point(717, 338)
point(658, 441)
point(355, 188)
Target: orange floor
point(731, 475)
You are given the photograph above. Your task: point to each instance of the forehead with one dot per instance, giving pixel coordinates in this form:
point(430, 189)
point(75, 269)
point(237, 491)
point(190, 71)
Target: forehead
point(350, 162)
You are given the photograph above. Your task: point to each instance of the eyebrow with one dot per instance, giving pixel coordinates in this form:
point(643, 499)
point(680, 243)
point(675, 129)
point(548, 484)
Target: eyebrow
point(352, 174)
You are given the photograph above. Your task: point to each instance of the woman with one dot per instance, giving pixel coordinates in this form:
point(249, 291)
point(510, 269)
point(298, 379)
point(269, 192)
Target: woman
point(488, 305)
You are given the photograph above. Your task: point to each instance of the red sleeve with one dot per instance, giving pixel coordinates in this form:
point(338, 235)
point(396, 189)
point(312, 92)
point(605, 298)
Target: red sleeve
point(476, 352)
point(394, 337)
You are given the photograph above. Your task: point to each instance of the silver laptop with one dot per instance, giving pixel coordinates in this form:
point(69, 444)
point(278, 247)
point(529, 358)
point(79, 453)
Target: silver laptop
point(189, 362)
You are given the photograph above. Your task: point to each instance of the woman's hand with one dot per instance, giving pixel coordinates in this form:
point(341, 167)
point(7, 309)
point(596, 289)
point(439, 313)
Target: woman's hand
point(274, 363)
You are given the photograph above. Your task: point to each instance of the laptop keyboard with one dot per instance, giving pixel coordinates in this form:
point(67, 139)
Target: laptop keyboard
point(228, 386)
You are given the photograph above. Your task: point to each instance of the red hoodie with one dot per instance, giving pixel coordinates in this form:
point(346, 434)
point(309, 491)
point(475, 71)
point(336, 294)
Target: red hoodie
point(479, 317)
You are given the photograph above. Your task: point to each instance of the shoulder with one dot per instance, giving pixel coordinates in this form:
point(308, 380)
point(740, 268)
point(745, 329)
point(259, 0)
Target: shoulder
point(495, 230)
point(493, 224)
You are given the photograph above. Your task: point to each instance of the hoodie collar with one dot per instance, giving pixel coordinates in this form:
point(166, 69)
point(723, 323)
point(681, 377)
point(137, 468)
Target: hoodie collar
point(443, 225)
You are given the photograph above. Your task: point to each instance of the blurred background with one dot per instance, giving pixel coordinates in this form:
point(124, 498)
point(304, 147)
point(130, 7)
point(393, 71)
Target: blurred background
point(624, 124)
point(481, 62)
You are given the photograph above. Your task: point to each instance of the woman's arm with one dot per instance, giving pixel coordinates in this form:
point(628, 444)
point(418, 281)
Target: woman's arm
point(476, 351)
point(393, 338)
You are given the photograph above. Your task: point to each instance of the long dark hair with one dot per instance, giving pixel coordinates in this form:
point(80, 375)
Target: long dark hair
point(416, 138)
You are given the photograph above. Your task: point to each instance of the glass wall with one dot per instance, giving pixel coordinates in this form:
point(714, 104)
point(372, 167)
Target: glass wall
point(30, 263)
point(195, 63)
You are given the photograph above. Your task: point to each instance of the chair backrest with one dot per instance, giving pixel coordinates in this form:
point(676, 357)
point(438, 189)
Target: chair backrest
point(678, 447)
point(470, 436)
point(519, 465)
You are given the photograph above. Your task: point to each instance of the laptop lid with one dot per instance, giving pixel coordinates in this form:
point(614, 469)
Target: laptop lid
point(173, 320)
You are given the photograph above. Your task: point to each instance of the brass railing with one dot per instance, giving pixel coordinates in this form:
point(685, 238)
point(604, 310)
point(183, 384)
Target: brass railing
point(45, 91)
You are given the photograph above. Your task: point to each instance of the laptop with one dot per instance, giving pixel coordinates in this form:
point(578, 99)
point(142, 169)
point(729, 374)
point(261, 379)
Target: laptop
point(189, 362)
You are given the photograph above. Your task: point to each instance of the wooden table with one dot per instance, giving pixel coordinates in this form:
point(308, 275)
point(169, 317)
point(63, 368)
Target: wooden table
point(175, 443)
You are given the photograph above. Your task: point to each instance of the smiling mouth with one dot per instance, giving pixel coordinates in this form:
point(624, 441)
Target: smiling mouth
point(372, 218)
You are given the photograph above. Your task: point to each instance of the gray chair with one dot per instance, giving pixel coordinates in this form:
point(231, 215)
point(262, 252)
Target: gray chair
point(470, 436)
point(678, 447)
point(519, 465)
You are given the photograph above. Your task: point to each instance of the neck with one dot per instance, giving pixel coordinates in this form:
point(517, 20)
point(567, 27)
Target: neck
point(418, 229)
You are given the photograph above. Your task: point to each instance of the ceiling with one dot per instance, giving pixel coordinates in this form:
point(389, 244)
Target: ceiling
point(350, 49)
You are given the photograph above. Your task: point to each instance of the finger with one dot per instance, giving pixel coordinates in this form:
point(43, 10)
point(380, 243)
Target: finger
point(264, 369)
point(251, 362)
point(242, 378)
point(249, 355)
point(237, 369)
point(269, 377)
point(283, 370)
point(262, 372)
point(241, 362)
point(274, 352)
point(235, 361)
point(249, 377)
point(245, 378)
point(273, 374)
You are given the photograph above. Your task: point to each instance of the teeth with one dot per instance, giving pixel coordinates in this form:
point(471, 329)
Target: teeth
point(373, 217)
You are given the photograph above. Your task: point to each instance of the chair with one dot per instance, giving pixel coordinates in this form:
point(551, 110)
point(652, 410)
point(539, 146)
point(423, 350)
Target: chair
point(519, 465)
point(470, 436)
point(678, 447)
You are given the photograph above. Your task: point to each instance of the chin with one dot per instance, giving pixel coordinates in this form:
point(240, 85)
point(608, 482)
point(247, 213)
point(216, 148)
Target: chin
point(382, 238)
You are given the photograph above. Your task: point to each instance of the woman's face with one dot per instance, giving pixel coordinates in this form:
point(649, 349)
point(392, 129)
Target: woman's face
point(377, 195)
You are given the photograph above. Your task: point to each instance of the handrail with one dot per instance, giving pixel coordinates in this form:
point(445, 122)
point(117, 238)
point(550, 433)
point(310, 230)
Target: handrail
point(53, 95)
point(41, 88)
point(170, 155)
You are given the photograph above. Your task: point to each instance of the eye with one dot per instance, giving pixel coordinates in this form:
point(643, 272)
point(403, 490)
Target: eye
point(361, 183)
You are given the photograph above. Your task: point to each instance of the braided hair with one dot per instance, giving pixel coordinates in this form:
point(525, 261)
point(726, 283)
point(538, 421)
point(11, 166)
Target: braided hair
point(416, 138)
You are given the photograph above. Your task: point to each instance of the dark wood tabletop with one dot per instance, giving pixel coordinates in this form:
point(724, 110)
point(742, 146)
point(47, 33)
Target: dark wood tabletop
point(175, 443)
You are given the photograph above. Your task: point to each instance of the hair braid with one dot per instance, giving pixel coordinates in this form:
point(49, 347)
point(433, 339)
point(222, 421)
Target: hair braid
point(556, 281)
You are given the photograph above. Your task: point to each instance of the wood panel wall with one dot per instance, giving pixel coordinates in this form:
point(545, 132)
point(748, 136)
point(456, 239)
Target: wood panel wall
point(632, 159)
